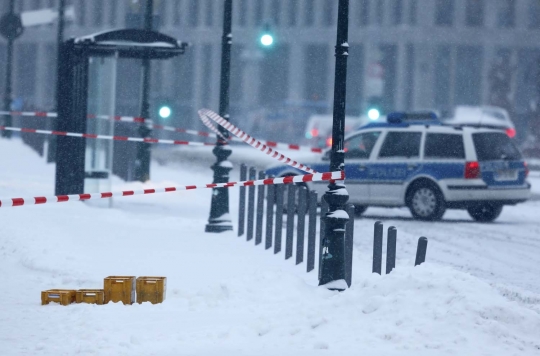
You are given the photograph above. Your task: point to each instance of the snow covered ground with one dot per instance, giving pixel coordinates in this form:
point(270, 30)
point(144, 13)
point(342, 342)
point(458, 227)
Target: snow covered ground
point(478, 294)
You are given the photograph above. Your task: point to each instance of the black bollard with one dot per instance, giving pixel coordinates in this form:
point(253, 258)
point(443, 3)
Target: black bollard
point(349, 244)
point(260, 210)
point(242, 203)
point(324, 210)
point(290, 221)
point(421, 251)
point(391, 241)
point(301, 223)
point(377, 247)
point(251, 205)
point(312, 230)
point(280, 189)
point(269, 215)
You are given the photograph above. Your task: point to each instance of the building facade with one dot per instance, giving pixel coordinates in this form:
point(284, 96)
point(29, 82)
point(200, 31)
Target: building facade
point(408, 54)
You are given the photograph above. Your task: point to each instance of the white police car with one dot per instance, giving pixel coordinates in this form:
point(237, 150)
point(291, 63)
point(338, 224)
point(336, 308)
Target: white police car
point(416, 161)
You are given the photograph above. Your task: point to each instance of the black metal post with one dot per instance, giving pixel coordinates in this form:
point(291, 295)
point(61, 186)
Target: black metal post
point(142, 162)
point(9, 68)
point(269, 215)
point(280, 188)
point(289, 237)
point(391, 241)
point(260, 211)
point(301, 223)
point(349, 244)
point(322, 240)
point(251, 205)
point(312, 230)
point(219, 209)
point(377, 247)
point(421, 251)
point(242, 201)
point(51, 151)
point(333, 259)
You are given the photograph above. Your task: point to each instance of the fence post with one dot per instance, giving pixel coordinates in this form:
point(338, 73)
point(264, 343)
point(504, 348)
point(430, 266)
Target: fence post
point(391, 241)
point(290, 221)
point(280, 188)
point(312, 230)
point(324, 210)
point(260, 210)
point(270, 196)
point(349, 244)
point(377, 247)
point(301, 223)
point(242, 203)
point(421, 251)
point(251, 205)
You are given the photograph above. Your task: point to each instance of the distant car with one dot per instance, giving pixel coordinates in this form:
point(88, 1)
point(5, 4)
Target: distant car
point(428, 167)
point(482, 116)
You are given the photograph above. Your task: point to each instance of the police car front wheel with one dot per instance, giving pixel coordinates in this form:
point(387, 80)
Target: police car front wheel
point(426, 202)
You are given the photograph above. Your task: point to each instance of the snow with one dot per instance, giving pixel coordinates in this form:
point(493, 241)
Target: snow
point(477, 294)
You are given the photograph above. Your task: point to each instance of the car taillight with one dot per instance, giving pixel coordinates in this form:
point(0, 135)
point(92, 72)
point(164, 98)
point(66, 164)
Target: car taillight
point(472, 170)
point(511, 132)
point(526, 166)
point(329, 142)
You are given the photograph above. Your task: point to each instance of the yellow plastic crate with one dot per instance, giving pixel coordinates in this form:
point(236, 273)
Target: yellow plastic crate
point(90, 296)
point(62, 296)
point(119, 289)
point(151, 289)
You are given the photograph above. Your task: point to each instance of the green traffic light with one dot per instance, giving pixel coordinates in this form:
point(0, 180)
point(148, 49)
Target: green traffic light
point(373, 114)
point(267, 40)
point(165, 112)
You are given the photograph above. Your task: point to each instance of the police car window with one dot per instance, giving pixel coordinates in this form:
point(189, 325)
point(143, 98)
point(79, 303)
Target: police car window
point(360, 146)
point(444, 146)
point(494, 146)
point(401, 144)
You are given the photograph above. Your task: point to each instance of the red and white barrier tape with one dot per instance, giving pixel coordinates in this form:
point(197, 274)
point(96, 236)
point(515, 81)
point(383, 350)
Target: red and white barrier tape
point(150, 124)
point(106, 137)
point(89, 196)
point(206, 114)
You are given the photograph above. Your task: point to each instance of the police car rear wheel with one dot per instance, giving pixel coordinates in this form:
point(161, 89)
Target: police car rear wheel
point(485, 212)
point(426, 202)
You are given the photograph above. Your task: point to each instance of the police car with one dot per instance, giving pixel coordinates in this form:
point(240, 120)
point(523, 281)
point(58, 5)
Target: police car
point(414, 160)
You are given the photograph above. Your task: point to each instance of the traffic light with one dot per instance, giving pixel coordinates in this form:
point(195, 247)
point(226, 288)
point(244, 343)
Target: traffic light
point(164, 108)
point(165, 112)
point(266, 39)
point(374, 108)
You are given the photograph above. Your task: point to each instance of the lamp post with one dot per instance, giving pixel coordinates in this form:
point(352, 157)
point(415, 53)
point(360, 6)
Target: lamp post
point(142, 162)
point(219, 219)
point(11, 28)
point(333, 253)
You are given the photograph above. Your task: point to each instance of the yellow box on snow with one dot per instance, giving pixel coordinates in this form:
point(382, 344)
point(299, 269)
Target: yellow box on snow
point(119, 289)
point(151, 289)
point(62, 296)
point(90, 296)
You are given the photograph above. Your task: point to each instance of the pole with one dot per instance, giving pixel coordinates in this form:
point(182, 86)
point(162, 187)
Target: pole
point(333, 258)
point(142, 162)
point(219, 220)
point(9, 68)
point(51, 152)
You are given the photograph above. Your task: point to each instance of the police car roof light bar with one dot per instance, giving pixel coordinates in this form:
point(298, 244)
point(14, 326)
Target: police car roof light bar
point(399, 117)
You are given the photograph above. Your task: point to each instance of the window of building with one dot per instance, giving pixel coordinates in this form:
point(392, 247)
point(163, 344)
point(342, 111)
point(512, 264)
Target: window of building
point(292, 12)
point(397, 12)
point(506, 16)
point(276, 12)
point(444, 13)
point(309, 13)
point(36, 5)
point(193, 11)
point(177, 12)
point(363, 15)
point(259, 13)
point(401, 144)
point(209, 13)
point(98, 13)
point(82, 13)
point(328, 19)
point(441, 146)
point(474, 16)
point(242, 13)
point(534, 14)
point(113, 12)
point(379, 12)
point(413, 9)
